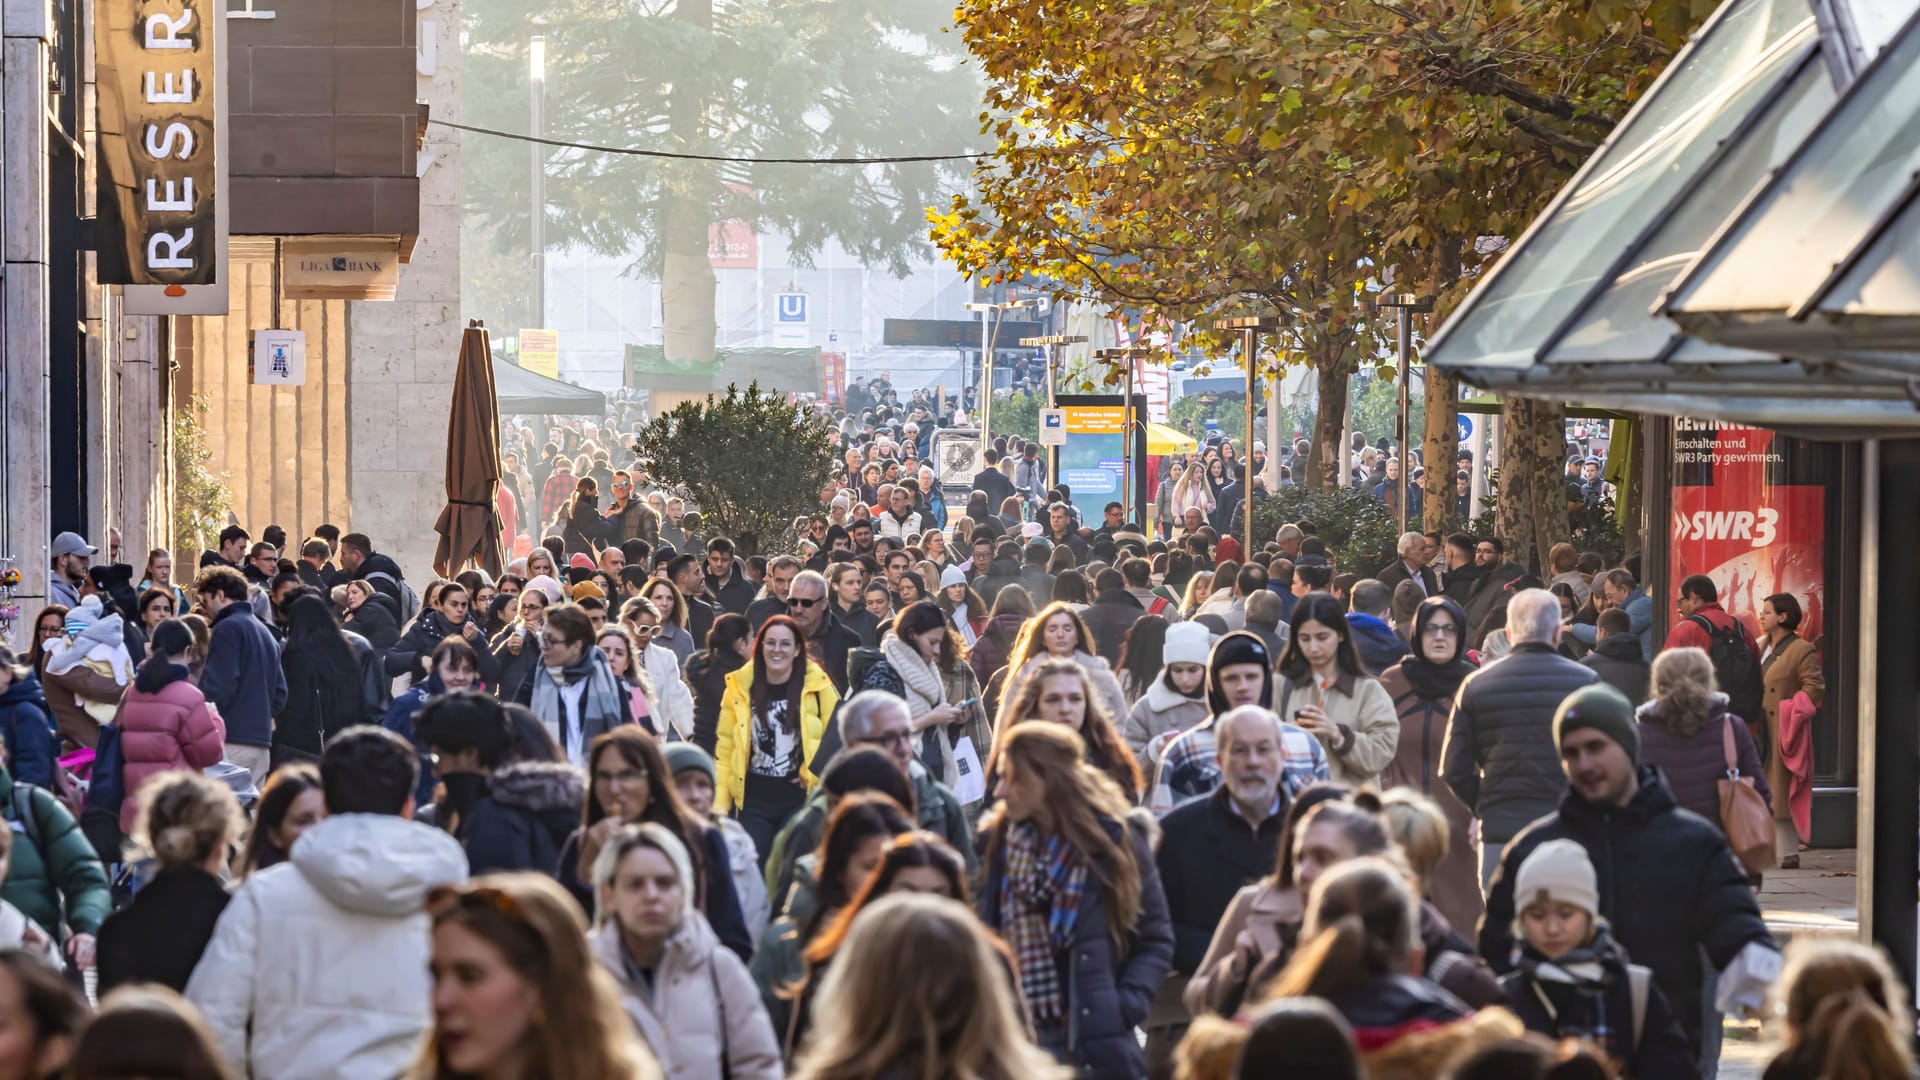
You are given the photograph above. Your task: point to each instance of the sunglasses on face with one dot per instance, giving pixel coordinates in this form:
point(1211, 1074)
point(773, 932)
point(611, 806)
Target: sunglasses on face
point(802, 602)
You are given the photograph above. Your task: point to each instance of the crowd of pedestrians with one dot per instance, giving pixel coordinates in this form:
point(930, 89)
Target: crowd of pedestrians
point(960, 785)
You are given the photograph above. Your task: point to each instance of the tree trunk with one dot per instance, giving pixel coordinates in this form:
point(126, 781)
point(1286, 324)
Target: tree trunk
point(687, 282)
point(1549, 462)
point(1512, 511)
point(1326, 459)
point(1442, 442)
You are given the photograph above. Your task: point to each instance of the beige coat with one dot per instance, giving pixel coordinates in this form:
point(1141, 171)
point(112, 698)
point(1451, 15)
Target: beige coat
point(703, 1003)
point(1256, 935)
point(1789, 669)
point(1361, 706)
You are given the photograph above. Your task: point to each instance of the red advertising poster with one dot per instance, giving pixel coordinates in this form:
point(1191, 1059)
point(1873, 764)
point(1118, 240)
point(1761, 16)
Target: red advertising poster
point(1750, 512)
point(833, 375)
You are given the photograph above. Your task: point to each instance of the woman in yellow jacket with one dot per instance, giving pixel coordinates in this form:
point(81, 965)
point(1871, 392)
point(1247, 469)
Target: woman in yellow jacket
point(771, 719)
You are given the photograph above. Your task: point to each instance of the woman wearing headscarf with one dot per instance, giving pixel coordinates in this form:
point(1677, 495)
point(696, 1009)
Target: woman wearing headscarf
point(1423, 688)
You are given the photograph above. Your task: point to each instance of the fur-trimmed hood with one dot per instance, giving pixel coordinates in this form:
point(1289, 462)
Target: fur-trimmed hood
point(1424, 1052)
point(539, 787)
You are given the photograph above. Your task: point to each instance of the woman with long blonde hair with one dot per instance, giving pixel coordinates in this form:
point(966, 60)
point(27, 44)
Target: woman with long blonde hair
point(1071, 885)
point(918, 992)
point(1199, 587)
point(517, 995)
point(1063, 692)
point(1059, 633)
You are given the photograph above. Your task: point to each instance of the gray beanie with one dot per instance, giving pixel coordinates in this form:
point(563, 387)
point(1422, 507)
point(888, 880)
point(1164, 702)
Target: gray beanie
point(1603, 709)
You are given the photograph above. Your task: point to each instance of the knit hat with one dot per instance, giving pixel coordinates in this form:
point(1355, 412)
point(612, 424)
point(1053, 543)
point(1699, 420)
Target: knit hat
point(588, 588)
point(1557, 871)
point(546, 586)
point(952, 576)
point(1603, 709)
point(581, 560)
point(1238, 647)
point(1032, 530)
point(682, 756)
point(1187, 643)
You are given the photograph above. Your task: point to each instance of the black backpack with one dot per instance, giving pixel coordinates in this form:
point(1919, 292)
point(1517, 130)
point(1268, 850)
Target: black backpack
point(1735, 668)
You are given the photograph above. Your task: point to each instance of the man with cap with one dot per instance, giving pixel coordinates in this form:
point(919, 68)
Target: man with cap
point(1240, 672)
point(1667, 882)
point(70, 555)
point(1500, 758)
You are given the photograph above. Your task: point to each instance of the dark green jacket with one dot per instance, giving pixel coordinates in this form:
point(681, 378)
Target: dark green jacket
point(940, 814)
point(51, 860)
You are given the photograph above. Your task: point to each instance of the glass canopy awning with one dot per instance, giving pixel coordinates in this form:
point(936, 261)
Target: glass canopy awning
point(1592, 304)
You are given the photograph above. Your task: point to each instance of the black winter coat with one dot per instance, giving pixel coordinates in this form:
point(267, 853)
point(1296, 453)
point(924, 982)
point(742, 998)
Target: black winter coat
point(1669, 887)
point(1109, 618)
point(1038, 583)
point(512, 672)
point(1207, 853)
point(582, 529)
point(1108, 989)
point(377, 563)
point(519, 818)
point(377, 620)
point(707, 677)
point(734, 594)
point(1621, 665)
point(160, 936)
point(860, 623)
point(321, 702)
point(1500, 757)
point(410, 654)
point(1662, 1051)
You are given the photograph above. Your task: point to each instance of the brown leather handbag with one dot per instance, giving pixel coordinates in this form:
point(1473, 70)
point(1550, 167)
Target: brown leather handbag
point(1744, 814)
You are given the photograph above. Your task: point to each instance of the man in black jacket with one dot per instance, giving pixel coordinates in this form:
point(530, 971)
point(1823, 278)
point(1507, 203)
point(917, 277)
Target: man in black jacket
point(1616, 655)
point(686, 574)
point(1500, 757)
point(1211, 847)
point(1112, 613)
point(773, 593)
point(1669, 885)
point(726, 582)
point(1034, 576)
point(828, 643)
point(1410, 566)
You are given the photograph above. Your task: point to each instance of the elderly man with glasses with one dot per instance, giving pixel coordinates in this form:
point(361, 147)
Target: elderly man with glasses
point(828, 642)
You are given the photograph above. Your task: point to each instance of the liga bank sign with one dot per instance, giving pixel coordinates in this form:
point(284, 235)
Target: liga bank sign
point(157, 74)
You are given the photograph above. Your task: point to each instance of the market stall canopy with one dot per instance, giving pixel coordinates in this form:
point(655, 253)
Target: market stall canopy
point(1573, 311)
point(1162, 439)
point(528, 393)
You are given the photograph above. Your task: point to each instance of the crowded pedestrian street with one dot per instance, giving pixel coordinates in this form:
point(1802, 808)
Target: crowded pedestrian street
point(967, 541)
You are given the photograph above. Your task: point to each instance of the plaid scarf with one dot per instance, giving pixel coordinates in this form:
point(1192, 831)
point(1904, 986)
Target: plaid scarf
point(1040, 894)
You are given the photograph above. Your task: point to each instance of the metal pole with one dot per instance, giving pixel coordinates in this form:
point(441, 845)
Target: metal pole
point(1248, 345)
point(1406, 428)
point(537, 182)
point(1126, 442)
point(985, 389)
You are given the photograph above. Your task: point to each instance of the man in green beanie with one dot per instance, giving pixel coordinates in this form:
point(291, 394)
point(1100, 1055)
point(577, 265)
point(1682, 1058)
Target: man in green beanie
point(1668, 884)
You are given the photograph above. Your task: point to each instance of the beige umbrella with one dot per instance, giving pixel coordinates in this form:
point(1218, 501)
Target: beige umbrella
point(470, 526)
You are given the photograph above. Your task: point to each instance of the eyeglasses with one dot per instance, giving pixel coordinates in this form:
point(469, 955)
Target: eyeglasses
point(802, 602)
point(553, 641)
point(1440, 630)
point(887, 738)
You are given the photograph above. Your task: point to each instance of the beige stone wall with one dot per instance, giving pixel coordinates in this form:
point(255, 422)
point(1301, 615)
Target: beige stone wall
point(284, 448)
point(405, 351)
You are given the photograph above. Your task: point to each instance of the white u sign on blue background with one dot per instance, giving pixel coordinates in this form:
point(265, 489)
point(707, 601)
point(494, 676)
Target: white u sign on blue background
point(792, 308)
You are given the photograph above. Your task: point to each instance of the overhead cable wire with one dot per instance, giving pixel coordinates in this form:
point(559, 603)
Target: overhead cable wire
point(672, 155)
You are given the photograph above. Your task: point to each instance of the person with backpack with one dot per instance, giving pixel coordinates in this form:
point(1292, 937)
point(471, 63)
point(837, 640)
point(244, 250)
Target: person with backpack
point(1707, 626)
point(1572, 981)
point(52, 871)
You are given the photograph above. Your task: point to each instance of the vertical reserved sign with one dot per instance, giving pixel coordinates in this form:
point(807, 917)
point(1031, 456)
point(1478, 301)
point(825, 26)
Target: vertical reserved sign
point(157, 76)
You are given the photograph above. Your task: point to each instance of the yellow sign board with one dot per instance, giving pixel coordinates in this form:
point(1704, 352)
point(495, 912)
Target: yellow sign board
point(540, 351)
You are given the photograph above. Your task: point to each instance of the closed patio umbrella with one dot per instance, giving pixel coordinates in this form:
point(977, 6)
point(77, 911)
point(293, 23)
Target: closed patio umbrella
point(469, 527)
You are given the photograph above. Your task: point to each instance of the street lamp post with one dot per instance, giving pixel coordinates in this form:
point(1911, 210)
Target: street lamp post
point(1250, 328)
point(1049, 343)
point(537, 182)
point(1403, 305)
point(987, 338)
point(1129, 424)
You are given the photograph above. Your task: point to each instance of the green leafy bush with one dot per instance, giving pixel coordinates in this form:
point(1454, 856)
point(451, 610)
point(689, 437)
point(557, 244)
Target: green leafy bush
point(1357, 528)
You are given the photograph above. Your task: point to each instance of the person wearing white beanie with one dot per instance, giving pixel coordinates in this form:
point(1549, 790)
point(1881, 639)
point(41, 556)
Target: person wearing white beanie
point(1176, 700)
point(965, 611)
point(1572, 981)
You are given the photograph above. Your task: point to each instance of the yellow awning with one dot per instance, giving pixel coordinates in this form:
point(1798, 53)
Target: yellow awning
point(1162, 439)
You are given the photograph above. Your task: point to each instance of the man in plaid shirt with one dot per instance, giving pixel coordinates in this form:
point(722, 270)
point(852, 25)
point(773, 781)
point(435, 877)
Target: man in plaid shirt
point(552, 497)
point(1240, 672)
